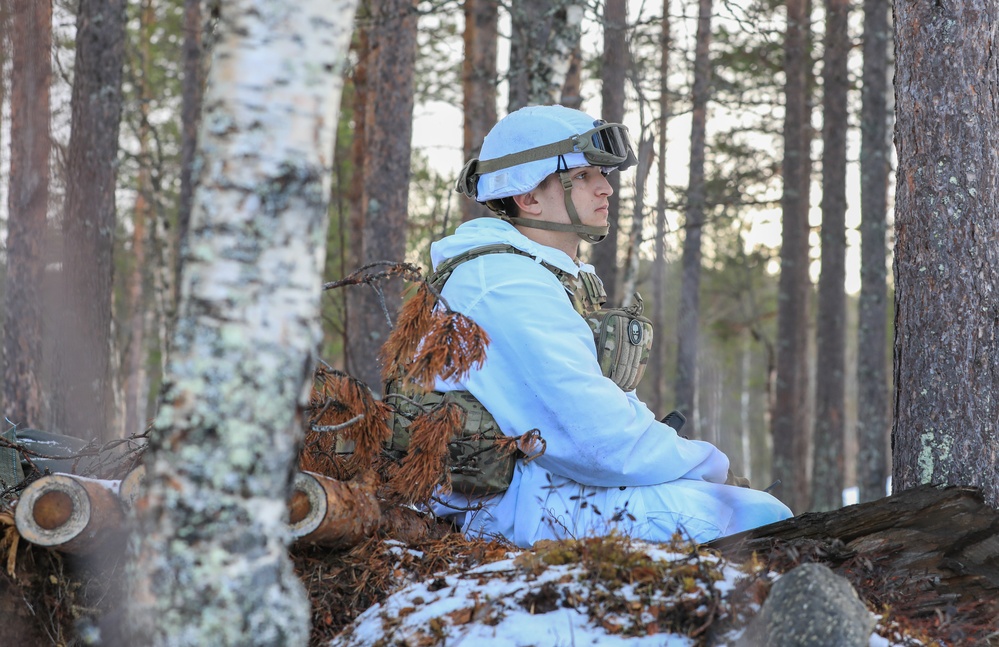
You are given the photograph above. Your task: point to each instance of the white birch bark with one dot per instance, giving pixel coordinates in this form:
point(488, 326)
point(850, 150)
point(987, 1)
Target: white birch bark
point(565, 37)
point(210, 564)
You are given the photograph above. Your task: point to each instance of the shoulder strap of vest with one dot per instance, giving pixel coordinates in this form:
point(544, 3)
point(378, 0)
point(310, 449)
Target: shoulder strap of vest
point(445, 269)
point(586, 292)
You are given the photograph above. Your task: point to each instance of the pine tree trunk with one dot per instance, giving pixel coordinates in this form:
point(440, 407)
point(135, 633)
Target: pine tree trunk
point(657, 359)
point(388, 133)
point(190, 118)
point(688, 314)
point(872, 375)
point(790, 436)
point(614, 72)
point(83, 405)
point(829, 439)
point(211, 564)
point(31, 73)
point(479, 80)
point(946, 257)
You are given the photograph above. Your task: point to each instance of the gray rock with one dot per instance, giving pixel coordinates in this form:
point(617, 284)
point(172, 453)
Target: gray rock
point(811, 606)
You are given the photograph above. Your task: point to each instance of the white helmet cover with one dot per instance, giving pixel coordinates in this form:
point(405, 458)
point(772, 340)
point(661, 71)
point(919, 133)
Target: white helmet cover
point(524, 129)
point(530, 144)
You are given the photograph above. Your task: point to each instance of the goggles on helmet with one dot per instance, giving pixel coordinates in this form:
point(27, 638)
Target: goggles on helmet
point(606, 145)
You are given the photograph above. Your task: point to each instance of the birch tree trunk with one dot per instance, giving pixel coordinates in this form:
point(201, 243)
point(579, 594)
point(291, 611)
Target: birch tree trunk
point(688, 314)
point(790, 435)
point(829, 439)
point(613, 73)
point(873, 400)
point(210, 564)
point(946, 426)
point(31, 73)
point(543, 36)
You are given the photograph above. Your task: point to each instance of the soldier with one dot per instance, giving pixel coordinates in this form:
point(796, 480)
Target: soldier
point(561, 363)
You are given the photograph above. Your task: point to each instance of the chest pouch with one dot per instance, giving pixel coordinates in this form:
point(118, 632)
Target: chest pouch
point(623, 337)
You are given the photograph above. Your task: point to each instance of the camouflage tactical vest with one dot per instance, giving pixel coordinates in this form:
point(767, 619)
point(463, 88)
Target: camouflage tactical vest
point(623, 338)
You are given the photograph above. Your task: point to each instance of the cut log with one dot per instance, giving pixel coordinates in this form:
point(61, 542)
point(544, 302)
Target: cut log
point(71, 513)
point(333, 513)
point(131, 487)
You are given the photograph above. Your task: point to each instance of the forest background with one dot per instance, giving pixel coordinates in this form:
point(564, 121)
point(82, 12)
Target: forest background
point(761, 246)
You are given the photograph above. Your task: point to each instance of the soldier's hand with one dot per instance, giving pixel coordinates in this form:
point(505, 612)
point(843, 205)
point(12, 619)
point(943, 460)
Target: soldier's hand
point(732, 479)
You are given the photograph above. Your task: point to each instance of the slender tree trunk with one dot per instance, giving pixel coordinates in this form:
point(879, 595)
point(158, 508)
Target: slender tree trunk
point(745, 395)
point(657, 360)
point(84, 405)
point(354, 300)
point(572, 89)
point(478, 75)
point(872, 376)
point(688, 314)
point(211, 565)
point(543, 36)
point(31, 73)
point(790, 436)
point(135, 376)
point(388, 134)
point(646, 149)
point(5, 54)
point(190, 117)
point(829, 447)
point(614, 71)
point(946, 257)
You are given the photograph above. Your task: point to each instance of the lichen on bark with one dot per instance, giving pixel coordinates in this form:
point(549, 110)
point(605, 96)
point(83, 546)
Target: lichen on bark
point(209, 563)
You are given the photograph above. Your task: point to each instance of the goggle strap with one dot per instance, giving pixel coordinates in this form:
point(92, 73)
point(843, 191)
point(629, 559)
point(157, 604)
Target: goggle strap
point(523, 157)
point(576, 144)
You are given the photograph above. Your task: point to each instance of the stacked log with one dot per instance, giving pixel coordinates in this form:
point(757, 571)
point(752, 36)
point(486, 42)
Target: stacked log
point(72, 513)
point(333, 513)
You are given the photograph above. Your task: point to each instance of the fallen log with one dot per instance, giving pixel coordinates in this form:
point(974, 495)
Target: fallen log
point(72, 513)
point(929, 548)
point(342, 514)
point(333, 513)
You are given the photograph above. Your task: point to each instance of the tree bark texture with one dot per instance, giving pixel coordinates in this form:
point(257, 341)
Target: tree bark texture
point(614, 72)
point(31, 72)
point(543, 36)
point(946, 257)
point(688, 314)
point(388, 133)
point(210, 563)
point(83, 405)
point(873, 401)
point(479, 79)
point(828, 476)
point(790, 435)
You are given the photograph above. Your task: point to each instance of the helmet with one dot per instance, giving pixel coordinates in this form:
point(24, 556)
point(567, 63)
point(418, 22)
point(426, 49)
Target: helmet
point(528, 145)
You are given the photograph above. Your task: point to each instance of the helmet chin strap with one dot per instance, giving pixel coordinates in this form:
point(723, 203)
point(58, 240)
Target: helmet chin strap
point(590, 233)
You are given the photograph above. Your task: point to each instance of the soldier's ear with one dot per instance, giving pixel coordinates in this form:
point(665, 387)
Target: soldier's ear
point(527, 203)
